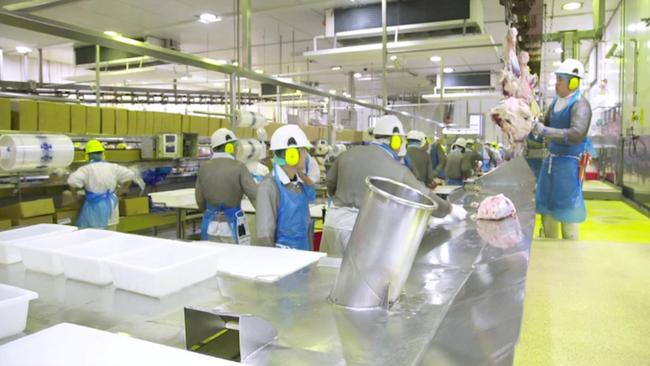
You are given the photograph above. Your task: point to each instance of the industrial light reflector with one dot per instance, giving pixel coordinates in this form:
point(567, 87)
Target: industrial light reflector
point(207, 18)
point(572, 5)
point(336, 68)
point(357, 75)
point(23, 49)
point(259, 71)
point(393, 58)
point(435, 58)
point(448, 70)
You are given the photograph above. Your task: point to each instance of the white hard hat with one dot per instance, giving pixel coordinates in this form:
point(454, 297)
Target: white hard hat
point(416, 135)
point(289, 136)
point(222, 136)
point(571, 67)
point(460, 142)
point(387, 126)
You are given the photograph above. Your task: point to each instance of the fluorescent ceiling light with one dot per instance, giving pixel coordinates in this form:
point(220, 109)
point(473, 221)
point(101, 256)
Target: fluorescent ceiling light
point(259, 71)
point(357, 75)
point(336, 68)
point(393, 58)
point(332, 91)
point(23, 49)
point(448, 70)
point(207, 18)
point(559, 50)
point(435, 58)
point(573, 5)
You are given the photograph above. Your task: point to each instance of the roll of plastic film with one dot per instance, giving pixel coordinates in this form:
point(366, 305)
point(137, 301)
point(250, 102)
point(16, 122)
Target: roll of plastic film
point(251, 150)
point(33, 152)
point(250, 119)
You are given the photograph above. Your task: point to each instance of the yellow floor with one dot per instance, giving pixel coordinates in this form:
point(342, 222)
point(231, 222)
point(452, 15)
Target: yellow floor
point(588, 302)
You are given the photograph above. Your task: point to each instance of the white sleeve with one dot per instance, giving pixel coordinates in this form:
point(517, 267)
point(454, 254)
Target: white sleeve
point(123, 174)
point(314, 170)
point(79, 178)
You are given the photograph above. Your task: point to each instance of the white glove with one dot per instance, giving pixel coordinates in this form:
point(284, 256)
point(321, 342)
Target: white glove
point(458, 212)
point(538, 129)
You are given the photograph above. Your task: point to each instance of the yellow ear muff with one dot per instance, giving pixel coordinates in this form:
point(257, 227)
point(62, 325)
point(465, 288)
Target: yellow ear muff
point(292, 156)
point(395, 142)
point(574, 83)
point(230, 148)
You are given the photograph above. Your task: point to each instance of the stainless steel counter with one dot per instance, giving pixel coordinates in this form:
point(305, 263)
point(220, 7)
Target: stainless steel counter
point(462, 304)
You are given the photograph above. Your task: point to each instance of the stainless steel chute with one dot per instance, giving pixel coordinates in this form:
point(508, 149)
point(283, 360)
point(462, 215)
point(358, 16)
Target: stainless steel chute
point(383, 244)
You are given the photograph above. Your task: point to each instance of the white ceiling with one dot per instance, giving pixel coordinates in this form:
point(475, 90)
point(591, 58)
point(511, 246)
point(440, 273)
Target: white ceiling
point(300, 20)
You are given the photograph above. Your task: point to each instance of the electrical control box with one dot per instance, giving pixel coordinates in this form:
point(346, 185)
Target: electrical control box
point(169, 146)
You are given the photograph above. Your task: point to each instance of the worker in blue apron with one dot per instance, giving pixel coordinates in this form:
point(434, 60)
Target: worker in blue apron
point(100, 180)
point(566, 123)
point(283, 198)
point(220, 186)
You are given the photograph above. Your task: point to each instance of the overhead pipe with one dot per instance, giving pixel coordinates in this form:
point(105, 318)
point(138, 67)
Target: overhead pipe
point(384, 54)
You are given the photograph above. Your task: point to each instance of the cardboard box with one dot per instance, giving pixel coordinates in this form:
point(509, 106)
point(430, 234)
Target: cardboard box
point(185, 124)
point(53, 117)
point(158, 124)
point(93, 120)
point(345, 135)
point(132, 129)
point(24, 115)
point(5, 114)
point(123, 155)
point(141, 123)
point(27, 209)
point(172, 123)
point(46, 219)
point(215, 124)
point(108, 121)
point(121, 122)
point(311, 132)
point(134, 206)
point(225, 123)
point(78, 119)
point(199, 125)
point(271, 127)
point(5, 224)
point(149, 122)
point(323, 133)
point(66, 217)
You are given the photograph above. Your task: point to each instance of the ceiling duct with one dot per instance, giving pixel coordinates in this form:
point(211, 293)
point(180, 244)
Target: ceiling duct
point(112, 59)
point(407, 20)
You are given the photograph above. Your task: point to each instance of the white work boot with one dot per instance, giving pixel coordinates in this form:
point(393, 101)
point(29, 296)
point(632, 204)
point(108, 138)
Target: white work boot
point(570, 231)
point(550, 225)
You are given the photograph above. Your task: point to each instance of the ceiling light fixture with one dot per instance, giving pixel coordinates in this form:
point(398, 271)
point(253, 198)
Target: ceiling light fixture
point(559, 50)
point(448, 70)
point(207, 18)
point(435, 58)
point(23, 49)
point(332, 91)
point(572, 5)
point(357, 75)
point(336, 68)
point(111, 33)
point(259, 71)
point(393, 58)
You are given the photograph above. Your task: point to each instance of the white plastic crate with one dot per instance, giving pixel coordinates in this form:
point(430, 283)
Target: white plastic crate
point(88, 263)
point(160, 271)
point(42, 254)
point(14, 303)
point(74, 345)
point(8, 251)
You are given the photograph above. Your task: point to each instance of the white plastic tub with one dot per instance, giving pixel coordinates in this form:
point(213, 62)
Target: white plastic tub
point(88, 263)
point(14, 303)
point(178, 198)
point(8, 251)
point(42, 254)
point(159, 271)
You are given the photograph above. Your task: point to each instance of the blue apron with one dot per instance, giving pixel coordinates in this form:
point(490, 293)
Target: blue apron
point(97, 210)
point(535, 164)
point(292, 229)
point(232, 215)
point(559, 192)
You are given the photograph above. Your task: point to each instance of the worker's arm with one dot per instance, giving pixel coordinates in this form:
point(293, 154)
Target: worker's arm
point(428, 176)
point(124, 177)
point(576, 133)
point(248, 184)
point(266, 212)
point(198, 192)
point(442, 161)
point(77, 180)
point(443, 207)
point(331, 178)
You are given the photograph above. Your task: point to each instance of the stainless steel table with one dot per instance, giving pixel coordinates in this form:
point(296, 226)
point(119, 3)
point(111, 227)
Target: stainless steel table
point(462, 304)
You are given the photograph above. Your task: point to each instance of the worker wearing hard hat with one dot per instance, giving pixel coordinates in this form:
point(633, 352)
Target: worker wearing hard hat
point(220, 185)
point(454, 166)
point(565, 125)
point(420, 158)
point(100, 180)
point(283, 197)
point(471, 159)
point(346, 182)
point(439, 157)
